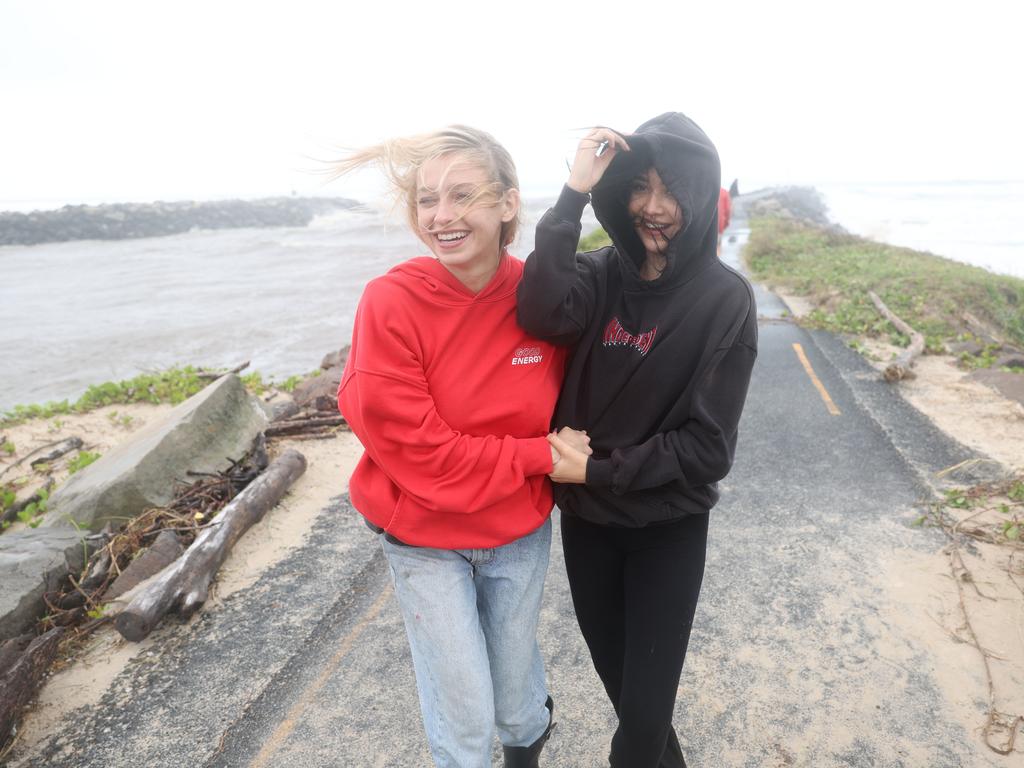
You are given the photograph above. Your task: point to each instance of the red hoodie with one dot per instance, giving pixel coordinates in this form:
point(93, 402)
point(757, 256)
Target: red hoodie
point(451, 401)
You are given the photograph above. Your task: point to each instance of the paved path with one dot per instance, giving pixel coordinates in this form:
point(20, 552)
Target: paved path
point(801, 655)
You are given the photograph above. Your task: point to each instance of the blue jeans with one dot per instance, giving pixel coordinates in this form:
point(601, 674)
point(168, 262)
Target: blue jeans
point(471, 616)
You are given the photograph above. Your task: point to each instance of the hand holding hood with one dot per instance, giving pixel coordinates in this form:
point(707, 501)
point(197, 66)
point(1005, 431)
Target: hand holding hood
point(687, 163)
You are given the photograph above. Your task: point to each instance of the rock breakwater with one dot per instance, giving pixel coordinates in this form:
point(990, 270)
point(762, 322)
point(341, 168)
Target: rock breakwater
point(131, 220)
point(801, 203)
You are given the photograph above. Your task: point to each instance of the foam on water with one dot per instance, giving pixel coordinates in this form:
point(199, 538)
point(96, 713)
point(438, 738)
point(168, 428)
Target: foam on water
point(79, 313)
point(978, 223)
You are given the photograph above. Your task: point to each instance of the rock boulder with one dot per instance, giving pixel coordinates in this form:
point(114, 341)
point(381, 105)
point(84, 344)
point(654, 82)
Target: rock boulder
point(201, 434)
point(319, 392)
point(335, 359)
point(32, 562)
point(1009, 385)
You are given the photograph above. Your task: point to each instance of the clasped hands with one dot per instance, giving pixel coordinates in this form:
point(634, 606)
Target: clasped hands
point(569, 451)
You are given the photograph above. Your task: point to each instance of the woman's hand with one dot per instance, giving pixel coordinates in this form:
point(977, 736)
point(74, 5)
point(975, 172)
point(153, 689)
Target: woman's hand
point(576, 438)
point(589, 166)
point(571, 466)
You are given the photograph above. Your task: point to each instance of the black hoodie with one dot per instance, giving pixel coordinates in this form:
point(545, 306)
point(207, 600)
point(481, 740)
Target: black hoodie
point(660, 368)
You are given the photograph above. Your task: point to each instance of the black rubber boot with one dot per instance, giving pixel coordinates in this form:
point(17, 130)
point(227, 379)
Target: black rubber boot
point(528, 757)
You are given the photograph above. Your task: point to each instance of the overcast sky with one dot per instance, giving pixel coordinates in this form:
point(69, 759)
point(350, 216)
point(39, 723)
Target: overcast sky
point(149, 99)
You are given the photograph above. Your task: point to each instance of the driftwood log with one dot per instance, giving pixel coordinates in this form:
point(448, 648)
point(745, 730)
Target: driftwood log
point(184, 585)
point(313, 425)
point(983, 331)
point(201, 374)
point(97, 571)
point(11, 651)
point(20, 679)
point(900, 367)
point(65, 446)
point(32, 453)
point(157, 556)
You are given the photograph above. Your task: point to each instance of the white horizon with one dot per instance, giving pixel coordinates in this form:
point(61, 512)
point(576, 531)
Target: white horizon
point(145, 101)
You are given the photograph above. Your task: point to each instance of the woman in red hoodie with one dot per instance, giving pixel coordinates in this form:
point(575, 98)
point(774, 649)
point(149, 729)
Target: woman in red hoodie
point(452, 402)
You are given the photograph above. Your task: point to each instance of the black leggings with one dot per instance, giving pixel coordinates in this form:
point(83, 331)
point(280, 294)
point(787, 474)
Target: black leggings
point(635, 591)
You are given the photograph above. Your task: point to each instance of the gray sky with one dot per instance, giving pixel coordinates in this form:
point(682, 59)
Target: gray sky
point(150, 99)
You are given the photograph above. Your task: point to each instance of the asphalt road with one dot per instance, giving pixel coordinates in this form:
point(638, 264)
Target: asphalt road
point(797, 657)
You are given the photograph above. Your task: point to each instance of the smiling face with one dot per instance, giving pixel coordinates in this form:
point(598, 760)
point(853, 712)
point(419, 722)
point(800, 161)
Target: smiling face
point(460, 212)
point(655, 213)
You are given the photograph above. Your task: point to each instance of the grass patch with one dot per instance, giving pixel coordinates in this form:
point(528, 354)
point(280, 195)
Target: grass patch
point(594, 240)
point(254, 383)
point(837, 270)
point(174, 386)
point(32, 515)
point(81, 461)
point(289, 384)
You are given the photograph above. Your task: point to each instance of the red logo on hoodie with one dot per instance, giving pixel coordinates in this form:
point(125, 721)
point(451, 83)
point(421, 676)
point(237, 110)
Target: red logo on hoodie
point(617, 336)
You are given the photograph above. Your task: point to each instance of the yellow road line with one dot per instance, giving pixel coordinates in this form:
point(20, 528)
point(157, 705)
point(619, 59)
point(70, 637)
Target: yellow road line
point(815, 380)
point(277, 738)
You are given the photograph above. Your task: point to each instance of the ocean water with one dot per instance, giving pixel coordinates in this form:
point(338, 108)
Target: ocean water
point(980, 223)
point(79, 313)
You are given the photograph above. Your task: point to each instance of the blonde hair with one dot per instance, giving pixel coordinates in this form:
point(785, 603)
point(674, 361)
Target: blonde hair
point(401, 159)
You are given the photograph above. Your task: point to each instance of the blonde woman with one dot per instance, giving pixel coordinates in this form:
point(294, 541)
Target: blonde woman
point(452, 402)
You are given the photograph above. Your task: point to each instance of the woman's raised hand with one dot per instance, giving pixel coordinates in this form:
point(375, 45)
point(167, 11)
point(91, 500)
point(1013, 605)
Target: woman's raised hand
point(593, 156)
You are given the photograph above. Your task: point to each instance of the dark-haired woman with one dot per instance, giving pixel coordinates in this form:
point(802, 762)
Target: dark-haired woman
point(663, 337)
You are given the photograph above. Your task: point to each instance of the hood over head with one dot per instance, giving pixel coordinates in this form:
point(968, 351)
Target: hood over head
point(687, 163)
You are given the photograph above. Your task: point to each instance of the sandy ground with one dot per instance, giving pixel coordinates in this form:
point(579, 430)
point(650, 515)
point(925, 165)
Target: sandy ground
point(83, 681)
point(990, 598)
point(966, 600)
point(100, 430)
point(977, 415)
point(965, 606)
point(330, 463)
